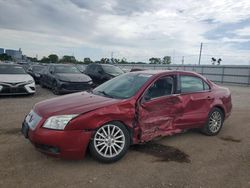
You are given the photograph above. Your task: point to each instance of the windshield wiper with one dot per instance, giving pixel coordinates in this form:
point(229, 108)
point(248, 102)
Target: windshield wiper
point(105, 94)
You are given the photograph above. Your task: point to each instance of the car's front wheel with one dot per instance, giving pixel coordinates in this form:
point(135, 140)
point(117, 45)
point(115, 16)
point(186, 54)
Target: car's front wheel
point(55, 88)
point(214, 122)
point(110, 142)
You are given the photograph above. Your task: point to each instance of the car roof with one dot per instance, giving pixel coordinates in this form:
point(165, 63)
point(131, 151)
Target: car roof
point(162, 72)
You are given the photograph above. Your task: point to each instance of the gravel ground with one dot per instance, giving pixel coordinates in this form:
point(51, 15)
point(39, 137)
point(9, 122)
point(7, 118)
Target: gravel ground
point(184, 160)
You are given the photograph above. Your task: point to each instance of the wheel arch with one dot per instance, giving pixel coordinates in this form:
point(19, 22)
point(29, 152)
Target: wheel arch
point(221, 108)
point(128, 128)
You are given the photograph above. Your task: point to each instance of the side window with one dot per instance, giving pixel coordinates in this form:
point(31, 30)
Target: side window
point(162, 87)
point(98, 69)
point(89, 69)
point(206, 86)
point(190, 84)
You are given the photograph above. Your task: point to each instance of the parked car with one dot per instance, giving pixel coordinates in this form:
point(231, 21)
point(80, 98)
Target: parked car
point(101, 73)
point(64, 79)
point(81, 67)
point(136, 69)
point(15, 81)
point(133, 108)
point(35, 71)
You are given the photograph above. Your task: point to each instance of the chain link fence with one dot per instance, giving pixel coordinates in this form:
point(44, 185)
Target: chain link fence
point(231, 74)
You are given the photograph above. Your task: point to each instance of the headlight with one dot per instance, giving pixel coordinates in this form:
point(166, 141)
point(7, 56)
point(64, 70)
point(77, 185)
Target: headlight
point(1, 87)
point(30, 82)
point(58, 122)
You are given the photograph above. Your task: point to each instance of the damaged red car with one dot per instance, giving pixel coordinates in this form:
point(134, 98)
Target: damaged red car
point(130, 109)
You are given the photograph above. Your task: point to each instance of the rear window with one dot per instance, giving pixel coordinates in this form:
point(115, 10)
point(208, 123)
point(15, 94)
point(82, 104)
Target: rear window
point(191, 84)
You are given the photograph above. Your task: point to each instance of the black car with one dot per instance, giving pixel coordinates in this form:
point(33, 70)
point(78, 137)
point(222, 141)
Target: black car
point(101, 73)
point(81, 67)
point(64, 79)
point(35, 72)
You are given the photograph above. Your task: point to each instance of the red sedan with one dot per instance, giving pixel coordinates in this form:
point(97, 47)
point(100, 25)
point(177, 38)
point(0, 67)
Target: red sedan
point(132, 108)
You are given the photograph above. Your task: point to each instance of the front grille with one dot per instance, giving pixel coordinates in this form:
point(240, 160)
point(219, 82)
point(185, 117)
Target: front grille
point(76, 86)
point(18, 90)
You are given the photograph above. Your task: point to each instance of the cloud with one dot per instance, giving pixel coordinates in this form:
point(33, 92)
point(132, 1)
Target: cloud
point(137, 30)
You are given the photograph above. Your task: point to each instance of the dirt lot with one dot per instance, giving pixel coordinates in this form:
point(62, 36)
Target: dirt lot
point(185, 160)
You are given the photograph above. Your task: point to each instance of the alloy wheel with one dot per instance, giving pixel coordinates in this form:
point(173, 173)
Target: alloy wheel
point(215, 122)
point(109, 141)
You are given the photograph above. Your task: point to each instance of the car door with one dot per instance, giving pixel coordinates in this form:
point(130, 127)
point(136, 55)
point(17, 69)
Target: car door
point(98, 74)
point(196, 97)
point(44, 76)
point(158, 108)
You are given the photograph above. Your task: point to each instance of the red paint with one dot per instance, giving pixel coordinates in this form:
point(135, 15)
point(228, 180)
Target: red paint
point(146, 120)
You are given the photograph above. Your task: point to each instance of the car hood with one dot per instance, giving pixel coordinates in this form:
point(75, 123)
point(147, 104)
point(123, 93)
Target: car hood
point(15, 78)
point(77, 103)
point(73, 77)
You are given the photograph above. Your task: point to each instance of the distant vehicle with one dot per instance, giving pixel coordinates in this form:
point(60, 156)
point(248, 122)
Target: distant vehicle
point(35, 72)
point(132, 108)
point(101, 73)
point(15, 81)
point(64, 79)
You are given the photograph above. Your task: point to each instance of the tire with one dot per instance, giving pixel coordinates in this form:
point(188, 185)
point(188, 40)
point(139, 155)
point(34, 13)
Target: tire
point(110, 142)
point(214, 122)
point(41, 84)
point(55, 88)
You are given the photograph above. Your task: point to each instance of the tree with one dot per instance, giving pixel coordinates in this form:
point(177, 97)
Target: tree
point(45, 60)
point(53, 58)
point(32, 59)
point(155, 60)
point(219, 61)
point(105, 60)
point(166, 60)
point(68, 59)
point(213, 60)
point(5, 57)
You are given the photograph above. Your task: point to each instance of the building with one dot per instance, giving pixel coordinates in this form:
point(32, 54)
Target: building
point(15, 54)
point(1, 50)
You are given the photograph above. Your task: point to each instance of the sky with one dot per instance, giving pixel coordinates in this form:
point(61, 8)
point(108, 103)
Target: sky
point(134, 29)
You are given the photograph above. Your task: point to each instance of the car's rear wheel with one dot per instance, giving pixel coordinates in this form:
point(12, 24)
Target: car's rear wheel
point(214, 122)
point(110, 142)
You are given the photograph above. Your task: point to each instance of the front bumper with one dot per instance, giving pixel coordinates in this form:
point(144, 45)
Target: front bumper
point(22, 89)
point(71, 144)
point(70, 87)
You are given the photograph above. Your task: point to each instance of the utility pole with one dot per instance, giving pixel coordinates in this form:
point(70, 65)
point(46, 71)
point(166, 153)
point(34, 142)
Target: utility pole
point(200, 55)
point(182, 61)
point(174, 57)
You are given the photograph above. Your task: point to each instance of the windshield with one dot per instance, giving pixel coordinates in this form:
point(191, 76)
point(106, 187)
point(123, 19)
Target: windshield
point(11, 69)
point(37, 68)
point(122, 87)
point(66, 69)
point(113, 70)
